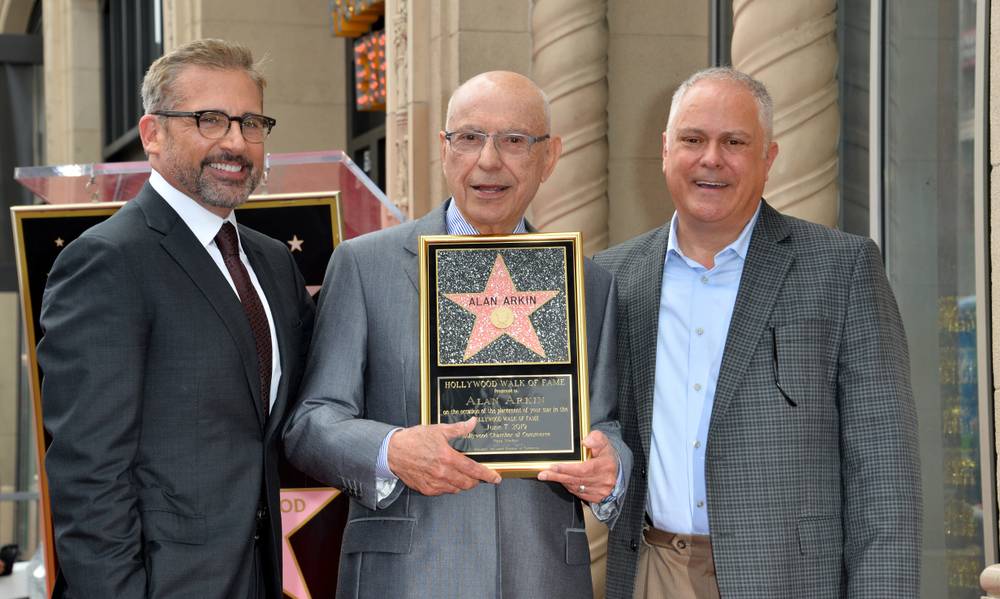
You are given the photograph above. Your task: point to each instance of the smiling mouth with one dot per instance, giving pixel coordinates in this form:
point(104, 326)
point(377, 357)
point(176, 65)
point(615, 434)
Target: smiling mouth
point(226, 167)
point(491, 188)
point(711, 184)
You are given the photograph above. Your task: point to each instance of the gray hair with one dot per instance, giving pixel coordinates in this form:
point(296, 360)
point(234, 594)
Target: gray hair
point(158, 84)
point(765, 105)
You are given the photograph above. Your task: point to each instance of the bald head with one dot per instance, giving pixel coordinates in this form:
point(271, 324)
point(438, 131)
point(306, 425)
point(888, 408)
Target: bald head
point(515, 88)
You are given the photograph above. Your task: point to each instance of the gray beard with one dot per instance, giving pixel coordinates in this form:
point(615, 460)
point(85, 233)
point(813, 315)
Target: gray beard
point(212, 193)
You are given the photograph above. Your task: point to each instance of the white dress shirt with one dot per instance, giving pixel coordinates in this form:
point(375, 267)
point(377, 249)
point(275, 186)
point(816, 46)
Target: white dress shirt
point(696, 306)
point(205, 225)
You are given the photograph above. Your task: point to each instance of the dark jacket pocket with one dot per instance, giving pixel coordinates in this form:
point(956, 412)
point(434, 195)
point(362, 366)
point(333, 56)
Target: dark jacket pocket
point(577, 547)
point(382, 535)
point(163, 519)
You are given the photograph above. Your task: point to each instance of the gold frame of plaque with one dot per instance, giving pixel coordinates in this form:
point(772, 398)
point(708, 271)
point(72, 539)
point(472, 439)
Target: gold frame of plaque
point(512, 351)
point(31, 288)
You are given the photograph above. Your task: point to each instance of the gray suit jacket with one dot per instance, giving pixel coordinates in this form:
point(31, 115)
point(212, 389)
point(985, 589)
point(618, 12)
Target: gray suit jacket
point(522, 538)
point(817, 495)
point(159, 449)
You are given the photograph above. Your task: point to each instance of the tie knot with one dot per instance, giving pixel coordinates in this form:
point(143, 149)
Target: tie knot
point(226, 239)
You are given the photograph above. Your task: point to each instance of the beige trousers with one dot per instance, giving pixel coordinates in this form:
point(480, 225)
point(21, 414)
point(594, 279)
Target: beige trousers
point(676, 566)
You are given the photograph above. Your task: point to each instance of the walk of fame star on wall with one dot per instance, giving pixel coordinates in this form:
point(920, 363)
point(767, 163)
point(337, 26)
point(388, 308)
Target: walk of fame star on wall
point(487, 317)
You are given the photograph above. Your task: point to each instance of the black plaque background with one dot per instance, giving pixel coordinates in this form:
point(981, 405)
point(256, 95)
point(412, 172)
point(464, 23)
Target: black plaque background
point(460, 370)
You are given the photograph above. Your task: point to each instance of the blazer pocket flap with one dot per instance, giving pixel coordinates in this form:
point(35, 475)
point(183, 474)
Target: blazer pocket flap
point(379, 535)
point(821, 535)
point(168, 526)
point(577, 547)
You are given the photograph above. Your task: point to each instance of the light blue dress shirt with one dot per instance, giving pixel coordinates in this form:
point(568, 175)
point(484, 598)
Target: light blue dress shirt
point(696, 306)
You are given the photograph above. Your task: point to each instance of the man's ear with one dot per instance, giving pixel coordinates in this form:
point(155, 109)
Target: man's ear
point(151, 134)
point(554, 152)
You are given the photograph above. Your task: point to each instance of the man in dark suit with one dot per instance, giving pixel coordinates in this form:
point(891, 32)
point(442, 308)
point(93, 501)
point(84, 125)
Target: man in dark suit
point(173, 342)
point(426, 520)
point(763, 384)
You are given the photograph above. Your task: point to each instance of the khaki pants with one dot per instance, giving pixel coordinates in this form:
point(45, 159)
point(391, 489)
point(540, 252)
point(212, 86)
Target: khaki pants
point(675, 566)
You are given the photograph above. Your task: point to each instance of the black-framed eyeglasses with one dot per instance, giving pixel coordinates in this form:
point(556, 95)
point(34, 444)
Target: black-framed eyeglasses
point(214, 124)
point(508, 144)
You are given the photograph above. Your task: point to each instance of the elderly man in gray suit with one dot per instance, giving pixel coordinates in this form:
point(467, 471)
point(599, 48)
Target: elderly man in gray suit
point(425, 520)
point(764, 384)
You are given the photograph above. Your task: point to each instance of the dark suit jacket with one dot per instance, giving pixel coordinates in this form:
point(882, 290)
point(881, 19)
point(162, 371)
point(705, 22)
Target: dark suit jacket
point(814, 496)
point(522, 538)
point(159, 449)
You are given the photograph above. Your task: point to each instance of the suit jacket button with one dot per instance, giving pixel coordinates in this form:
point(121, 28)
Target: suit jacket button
point(633, 545)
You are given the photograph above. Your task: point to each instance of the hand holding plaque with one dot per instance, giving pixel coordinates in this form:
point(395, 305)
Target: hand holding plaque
point(503, 339)
point(422, 458)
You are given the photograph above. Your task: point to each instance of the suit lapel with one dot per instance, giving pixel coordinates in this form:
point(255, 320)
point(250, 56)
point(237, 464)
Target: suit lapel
point(184, 248)
point(768, 261)
point(642, 292)
point(431, 224)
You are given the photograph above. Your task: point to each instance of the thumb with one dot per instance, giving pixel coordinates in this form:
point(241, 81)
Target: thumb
point(596, 442)
point(460, 429)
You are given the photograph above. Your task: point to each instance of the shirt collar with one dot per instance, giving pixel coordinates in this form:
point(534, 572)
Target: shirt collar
point(740, 245)
point(204, 224)
point(457, 225)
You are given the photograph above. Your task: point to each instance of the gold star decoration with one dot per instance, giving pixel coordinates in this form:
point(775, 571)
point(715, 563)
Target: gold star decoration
point(60, 242)
point(295, 244)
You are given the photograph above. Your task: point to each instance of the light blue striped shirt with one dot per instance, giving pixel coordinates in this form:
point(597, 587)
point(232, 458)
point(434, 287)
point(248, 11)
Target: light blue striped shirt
point(696, 306)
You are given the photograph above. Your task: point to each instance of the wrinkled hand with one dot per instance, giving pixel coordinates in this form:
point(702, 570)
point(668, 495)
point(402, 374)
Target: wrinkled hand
point(421, 457)
point(597, 475)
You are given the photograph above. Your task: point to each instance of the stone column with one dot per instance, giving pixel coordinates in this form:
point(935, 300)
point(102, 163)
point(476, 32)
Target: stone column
point(792, 48)
point(407, 105)
point(71, 34)
point(570, 62)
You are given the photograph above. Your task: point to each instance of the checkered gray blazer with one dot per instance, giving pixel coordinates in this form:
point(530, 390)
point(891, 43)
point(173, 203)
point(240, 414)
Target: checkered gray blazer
point(811, 467)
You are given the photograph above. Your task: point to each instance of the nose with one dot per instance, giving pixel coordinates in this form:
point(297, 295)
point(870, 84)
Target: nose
point(233, 139)
point(712, 155)
point(489, 156)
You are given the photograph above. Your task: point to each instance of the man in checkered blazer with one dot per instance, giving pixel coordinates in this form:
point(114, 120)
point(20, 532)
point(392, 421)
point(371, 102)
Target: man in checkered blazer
point(763, 384)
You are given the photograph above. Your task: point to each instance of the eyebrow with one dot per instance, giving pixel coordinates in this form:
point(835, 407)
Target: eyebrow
point(732, 133)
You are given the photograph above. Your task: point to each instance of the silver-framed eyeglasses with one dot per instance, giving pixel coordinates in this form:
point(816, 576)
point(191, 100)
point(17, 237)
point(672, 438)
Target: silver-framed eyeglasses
point(214, 124)
point(508, 144)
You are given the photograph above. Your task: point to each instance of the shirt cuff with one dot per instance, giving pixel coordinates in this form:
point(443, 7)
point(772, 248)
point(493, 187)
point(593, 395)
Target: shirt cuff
point(608, 506)
point(385, 480)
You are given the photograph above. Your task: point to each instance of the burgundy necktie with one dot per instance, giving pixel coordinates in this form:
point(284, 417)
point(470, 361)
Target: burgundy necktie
point(230, 248)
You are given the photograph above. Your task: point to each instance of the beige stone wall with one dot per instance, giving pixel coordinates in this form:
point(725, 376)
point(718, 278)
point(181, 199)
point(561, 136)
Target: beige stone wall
point(71, 32)
point(654, 45)
point(305, 69)
point(305, 63)
point(14, 15)
point(9, 362)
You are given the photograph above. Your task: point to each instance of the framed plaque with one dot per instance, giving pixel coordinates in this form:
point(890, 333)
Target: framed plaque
point(503, 338)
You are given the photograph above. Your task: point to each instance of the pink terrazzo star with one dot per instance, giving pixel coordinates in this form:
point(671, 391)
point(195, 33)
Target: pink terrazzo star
point(501, 309)
point(298, 506)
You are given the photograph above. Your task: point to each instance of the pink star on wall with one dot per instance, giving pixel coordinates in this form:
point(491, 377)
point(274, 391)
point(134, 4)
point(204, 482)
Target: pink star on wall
point(501, 309)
